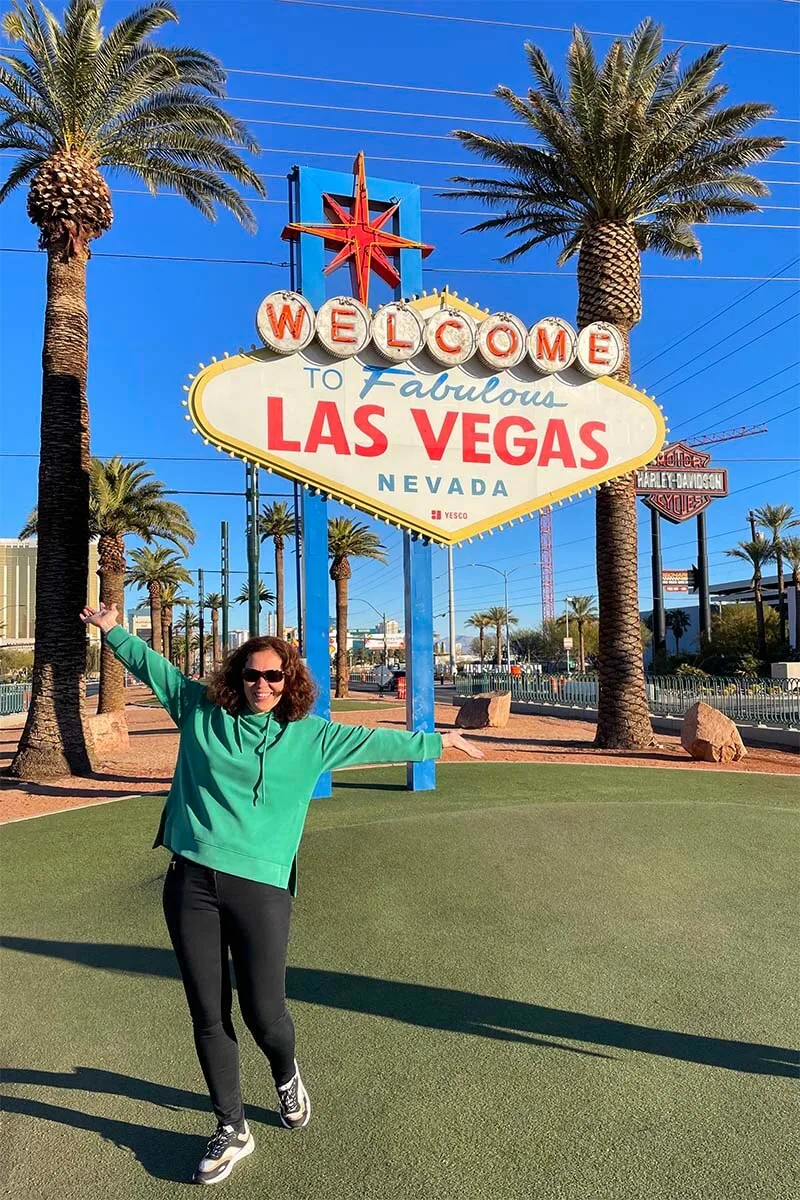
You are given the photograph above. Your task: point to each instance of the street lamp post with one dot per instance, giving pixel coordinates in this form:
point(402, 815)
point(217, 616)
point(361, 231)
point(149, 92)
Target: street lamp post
point(567, 600)
point(356, 600)
point(505, 575)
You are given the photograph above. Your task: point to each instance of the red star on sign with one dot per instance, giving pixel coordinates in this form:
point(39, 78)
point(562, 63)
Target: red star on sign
point(364, 242)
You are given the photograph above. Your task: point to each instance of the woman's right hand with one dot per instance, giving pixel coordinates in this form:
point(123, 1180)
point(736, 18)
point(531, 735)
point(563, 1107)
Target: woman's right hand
point(103, 618)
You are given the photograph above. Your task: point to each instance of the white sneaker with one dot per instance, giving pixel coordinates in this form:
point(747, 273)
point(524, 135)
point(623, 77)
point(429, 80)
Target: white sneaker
point(224, 1149)
point(295, 1102)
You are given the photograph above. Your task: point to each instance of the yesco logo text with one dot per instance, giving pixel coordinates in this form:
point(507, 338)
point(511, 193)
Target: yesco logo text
point(287, 323)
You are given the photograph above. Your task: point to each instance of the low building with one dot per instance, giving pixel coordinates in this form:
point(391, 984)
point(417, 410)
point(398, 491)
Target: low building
point(18, 591)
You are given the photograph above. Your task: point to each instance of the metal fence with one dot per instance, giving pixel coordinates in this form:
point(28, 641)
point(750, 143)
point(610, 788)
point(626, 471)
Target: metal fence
point(747, 699)
point(14, 698)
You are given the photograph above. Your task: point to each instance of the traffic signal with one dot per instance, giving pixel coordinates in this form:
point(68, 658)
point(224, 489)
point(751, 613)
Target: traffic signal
point(694, 578)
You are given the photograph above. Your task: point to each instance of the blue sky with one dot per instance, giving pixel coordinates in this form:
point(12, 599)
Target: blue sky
point(152, 319)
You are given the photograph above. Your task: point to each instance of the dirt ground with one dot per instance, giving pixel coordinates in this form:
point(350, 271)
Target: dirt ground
point(147, 766)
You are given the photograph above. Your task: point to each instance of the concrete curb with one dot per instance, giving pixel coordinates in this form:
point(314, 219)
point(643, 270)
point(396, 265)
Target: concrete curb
point(777, 736)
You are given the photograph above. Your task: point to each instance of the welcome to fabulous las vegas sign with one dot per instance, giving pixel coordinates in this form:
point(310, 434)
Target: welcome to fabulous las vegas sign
point(430, 413)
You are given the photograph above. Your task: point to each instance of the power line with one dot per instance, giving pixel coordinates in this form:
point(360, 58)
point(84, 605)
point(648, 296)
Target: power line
point(736, 395)
point(437, 137)
point(449, 162)
point(448, 212)
point(723, 357)
point(399, 12)
point(392, 112)
point(727, 338)
point(254, 262)
point(721, 312)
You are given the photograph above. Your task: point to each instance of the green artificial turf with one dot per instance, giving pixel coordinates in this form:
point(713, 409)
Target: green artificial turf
point(534, 983)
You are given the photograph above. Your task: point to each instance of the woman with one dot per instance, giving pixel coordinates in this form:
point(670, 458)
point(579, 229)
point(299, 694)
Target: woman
point(249, 756)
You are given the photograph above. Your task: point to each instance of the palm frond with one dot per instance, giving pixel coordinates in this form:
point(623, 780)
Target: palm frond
point(634, 141)
point(549, 84)
point(672, 240)
point(24, 168)
point(118, 100)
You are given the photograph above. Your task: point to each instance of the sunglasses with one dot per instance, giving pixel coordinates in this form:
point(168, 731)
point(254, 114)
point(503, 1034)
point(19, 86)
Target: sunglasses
point(251, 675)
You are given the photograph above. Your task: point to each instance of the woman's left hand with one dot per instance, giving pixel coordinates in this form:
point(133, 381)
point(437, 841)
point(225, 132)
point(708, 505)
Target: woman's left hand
point(456, 742)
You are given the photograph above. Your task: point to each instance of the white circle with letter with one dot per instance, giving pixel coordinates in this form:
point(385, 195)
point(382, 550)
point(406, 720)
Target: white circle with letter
point(343, 326)
point(398, 331)
point(450, 336)
point(501, 341)
point(601, 349)
point(285, 322)
point(552, 345)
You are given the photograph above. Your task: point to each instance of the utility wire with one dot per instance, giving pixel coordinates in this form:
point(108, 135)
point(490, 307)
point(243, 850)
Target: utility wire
point(720, 313)
point(743, 392)
point(399, 12)
point(254, 262)
point(399, 112)
point(449, 212)
point(727, 338)
point(449, 162)
point(437, 137)
point(751, 343)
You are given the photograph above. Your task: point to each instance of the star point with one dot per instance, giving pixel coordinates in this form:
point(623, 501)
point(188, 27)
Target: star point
point(358, 239)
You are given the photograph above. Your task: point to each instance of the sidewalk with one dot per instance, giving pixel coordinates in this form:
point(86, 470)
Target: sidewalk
point(149, 763)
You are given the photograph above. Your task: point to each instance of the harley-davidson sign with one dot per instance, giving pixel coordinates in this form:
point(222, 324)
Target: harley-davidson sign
point(431, 413)
point(680, 483)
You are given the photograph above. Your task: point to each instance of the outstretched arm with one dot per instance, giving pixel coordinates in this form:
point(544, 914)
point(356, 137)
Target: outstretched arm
point(171, 688)
point(358, 745)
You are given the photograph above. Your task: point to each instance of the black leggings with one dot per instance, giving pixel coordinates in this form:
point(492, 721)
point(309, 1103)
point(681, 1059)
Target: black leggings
point(209, 913)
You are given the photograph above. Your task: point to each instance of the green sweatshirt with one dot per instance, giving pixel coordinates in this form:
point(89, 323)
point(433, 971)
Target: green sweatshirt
point(242, 784)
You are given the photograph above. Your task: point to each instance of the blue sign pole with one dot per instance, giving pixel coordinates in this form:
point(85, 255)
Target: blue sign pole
point(308, 185)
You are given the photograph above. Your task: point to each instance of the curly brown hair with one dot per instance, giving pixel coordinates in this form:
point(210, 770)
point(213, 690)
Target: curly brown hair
point(299, 691)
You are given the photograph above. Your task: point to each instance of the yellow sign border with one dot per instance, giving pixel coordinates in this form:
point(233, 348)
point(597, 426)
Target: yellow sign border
point(386, 512)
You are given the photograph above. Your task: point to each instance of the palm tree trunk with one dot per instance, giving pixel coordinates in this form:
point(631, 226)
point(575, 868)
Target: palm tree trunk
point(279, 587)
point(214, 636)
point(342, 670)
point(581, 648)
point(796, 582)
point(609, 290)
point(111, 560)
point(762, 633)
point(55, 740)
point(481, 637)
point(166, 631)
point(781, 593)
point(156, 629)
point(499, 651)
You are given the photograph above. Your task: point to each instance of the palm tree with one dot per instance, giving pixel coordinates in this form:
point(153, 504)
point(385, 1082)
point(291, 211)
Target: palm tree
point(76, 101)
point(757, 554)
point(265, 596)
point(171, 598)
point(627, 157)
point(790, 548)
point(776, 518)
point(124, 498)
point(677, 619)
point(213, 600)
point(481, 622)
point(500, 617)
point(277, 522)
point(347, 539)
point(583, 611)
point(156, 570)
point(186, 628)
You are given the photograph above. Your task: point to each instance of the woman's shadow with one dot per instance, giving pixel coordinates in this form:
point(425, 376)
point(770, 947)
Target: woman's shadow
point(163, 1153)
